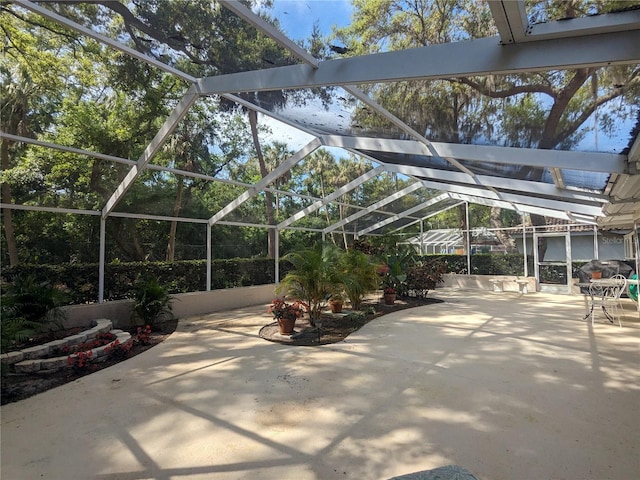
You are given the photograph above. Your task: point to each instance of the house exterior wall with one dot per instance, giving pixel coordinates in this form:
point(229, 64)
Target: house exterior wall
point(610, 246)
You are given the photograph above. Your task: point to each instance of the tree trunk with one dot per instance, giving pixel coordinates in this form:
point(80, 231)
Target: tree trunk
point(504, 237)
point(137, 254)
point(7, 215)
point(177, 206)
point(539, 221)
point(253, 122)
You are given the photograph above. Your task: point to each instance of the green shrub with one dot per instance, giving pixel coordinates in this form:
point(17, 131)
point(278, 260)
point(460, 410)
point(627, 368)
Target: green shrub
point(424, 276)
point(152, 302)
point(29, 307)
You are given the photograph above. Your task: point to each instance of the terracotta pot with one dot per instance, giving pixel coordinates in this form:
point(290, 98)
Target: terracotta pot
point(596, 275)
point(336, 306)
point(389, 298)
point(286, 325)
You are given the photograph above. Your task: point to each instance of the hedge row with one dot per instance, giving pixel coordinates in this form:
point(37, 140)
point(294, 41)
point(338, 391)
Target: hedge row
point(81, 280)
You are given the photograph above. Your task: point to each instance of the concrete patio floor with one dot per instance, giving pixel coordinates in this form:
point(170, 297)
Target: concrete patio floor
point(504, 385)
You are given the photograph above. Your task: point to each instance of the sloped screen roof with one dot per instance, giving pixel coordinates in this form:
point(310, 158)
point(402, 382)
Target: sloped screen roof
point(343, 102)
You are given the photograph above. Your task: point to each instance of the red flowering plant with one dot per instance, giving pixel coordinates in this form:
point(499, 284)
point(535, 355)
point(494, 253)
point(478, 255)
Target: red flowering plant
point(279, 308)
point(389, 290)
point(80, 361)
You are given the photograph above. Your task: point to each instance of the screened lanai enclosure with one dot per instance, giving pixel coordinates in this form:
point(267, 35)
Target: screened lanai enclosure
point(174, 129)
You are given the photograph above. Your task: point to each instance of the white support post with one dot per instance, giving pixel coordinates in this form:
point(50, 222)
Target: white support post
point(596, 253)
point(524, 246)
point(277, 257)
point(536, 272)
point(103, 236)
point(208, 227)
point(569, 260)
point(466, 212)
point(421, 237)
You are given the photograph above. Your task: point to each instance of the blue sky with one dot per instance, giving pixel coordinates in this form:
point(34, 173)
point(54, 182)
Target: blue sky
point(296, 19)
point(298, 16)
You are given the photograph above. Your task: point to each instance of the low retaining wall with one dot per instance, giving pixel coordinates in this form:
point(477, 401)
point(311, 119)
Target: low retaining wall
point(503, 283)
point(184, 305)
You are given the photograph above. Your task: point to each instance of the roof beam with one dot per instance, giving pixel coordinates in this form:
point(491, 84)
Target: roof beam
point(64, 148)
point(511, 20)
point(526, 186)
point(268, 29)
point(267, 180)
point(530, 157)
point(591, 25)
point(331, 197)
point(404, 214)
point(547, 212)
point(375, 206)
point(484, 56)
point(167, 129)
point(519, 199)
point(302, 54)
point(428, 216)
point(35, 208)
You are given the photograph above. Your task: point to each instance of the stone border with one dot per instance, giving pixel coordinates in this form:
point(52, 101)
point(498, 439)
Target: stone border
point(102, 325)
point(56, 363)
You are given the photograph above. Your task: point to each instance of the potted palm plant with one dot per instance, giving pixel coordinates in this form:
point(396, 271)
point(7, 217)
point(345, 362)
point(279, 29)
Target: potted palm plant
point(313, 278)
point(359, 276)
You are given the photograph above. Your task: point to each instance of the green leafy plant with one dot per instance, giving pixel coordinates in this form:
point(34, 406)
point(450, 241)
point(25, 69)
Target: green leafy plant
point(152, 303)
point(29, 307)
point(359, 276)
point(313, 278)
point(394, 268)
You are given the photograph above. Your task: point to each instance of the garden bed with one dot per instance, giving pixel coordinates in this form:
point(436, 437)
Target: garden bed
point(16, 387)
point(337, 327)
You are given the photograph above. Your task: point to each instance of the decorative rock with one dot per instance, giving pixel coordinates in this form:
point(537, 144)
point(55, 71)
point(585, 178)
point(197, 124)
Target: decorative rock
point(25, 360)
point(12, 357)
point(99, 351)
point(53, 363)
point(57, 343)
point(103, 325)
point(36, 352)
point(27, 366)
point(75, 339)
point(123, 337)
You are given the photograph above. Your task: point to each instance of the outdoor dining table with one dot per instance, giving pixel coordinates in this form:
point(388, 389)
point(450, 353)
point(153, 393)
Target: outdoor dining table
point(601, 288)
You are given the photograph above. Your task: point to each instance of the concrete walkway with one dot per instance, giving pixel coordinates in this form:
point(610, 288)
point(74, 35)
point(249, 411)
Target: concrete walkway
point(506, 386)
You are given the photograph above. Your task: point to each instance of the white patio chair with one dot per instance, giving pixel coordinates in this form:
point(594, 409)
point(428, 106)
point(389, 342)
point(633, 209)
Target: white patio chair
point(605, 295)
